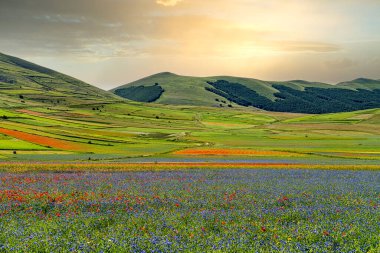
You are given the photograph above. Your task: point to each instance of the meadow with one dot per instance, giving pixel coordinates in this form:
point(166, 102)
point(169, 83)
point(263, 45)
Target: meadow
point(196, 210)
point(124, 132)
point(82, 170)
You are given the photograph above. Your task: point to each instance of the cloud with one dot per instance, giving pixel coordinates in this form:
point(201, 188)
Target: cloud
point(168, 2)
point(221, 34)
point(306, 46)
point(342, 63)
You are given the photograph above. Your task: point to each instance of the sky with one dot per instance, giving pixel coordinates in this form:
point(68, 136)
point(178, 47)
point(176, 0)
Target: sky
point(108, 43)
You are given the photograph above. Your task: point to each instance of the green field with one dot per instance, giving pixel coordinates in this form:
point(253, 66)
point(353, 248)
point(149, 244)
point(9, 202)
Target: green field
point(133, 130)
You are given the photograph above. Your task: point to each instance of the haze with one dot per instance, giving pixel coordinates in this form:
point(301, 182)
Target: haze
point(111, 42)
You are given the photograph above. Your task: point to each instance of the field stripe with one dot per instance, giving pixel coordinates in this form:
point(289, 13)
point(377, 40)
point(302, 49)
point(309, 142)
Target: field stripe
point(232, 152)
point(42, 140)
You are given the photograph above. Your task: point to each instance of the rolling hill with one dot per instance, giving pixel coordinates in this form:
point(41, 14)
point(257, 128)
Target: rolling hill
point(48, 116)
point(23, 82)
point(292, 96)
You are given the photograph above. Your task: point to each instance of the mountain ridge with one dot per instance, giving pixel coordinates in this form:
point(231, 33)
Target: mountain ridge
point(25, 83)
point(267, 95)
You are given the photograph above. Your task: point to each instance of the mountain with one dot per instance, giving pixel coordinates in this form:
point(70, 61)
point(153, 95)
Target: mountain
point(177, 90)
point(361, 83)
point(291, 96)
point(23, 82)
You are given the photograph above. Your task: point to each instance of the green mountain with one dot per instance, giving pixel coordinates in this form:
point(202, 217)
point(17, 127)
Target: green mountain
point(177, 90)
point(361, 83)
point(23, 82)
point(292, 96)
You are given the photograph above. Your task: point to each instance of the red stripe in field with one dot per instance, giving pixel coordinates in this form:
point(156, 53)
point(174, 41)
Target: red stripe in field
point(41, 140)
point(31, 112)
point(229, 152)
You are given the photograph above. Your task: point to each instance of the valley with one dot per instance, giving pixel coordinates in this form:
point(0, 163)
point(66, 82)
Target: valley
point(47, 116)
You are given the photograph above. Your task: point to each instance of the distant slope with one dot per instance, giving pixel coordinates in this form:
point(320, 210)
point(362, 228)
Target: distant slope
point(23, 82)
point(361, 83)
point(291, 96)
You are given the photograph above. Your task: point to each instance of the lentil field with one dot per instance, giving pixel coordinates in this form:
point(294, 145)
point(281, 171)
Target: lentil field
point(197, 210)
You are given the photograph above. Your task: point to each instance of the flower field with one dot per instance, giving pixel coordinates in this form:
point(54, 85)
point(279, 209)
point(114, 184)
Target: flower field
point(198, 210)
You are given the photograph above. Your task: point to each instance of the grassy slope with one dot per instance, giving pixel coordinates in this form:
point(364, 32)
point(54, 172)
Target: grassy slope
point(180, 89)
point(36, 84)
point(361, 83)
point(186, 90)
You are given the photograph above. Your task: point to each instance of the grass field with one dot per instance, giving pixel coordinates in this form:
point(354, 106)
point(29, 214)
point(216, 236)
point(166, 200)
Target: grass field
point(123, 131)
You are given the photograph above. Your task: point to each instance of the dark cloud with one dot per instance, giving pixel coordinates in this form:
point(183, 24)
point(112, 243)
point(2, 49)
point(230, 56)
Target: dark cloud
point(242, 37)
point(70, 26)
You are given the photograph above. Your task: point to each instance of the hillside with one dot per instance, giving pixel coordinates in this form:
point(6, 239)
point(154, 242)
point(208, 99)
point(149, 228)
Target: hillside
point(23, 82)
point(178, 90)
point(153, 132)
point(221, 91)
point(361, 83)
point(48, 116)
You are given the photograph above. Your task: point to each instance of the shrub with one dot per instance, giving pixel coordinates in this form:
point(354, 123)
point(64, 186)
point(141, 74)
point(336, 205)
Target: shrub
point(141, 93)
